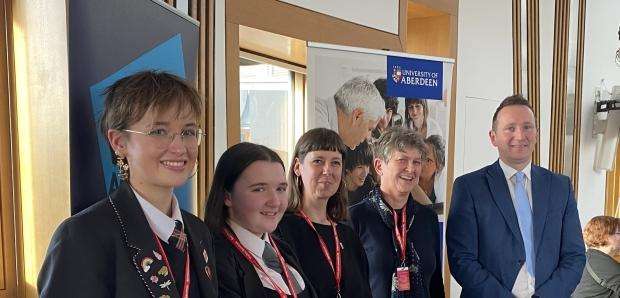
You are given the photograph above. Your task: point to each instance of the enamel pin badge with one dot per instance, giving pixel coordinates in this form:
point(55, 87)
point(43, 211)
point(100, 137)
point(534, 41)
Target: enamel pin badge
point(146, 264)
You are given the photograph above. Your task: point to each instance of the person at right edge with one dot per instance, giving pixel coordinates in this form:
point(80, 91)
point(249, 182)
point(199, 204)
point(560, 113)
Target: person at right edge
point(400, 235)
point(601, 278)
point(513, 228)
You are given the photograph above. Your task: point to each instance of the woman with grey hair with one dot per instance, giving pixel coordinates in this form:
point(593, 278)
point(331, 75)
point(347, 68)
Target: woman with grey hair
point(404, 257)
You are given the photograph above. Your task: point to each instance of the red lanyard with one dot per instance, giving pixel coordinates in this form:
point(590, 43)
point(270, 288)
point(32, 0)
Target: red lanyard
point(338, 269)
point(248, 256)
point(401, 234)
point(187, 281)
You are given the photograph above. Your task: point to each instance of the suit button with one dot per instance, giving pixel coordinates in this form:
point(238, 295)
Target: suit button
point(521, 262)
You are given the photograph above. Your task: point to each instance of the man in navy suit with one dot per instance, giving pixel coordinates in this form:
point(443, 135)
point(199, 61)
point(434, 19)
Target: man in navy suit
point(513, 228)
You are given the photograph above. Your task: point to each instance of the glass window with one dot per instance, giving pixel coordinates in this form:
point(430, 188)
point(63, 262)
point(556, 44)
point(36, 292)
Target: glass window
point(266, 106)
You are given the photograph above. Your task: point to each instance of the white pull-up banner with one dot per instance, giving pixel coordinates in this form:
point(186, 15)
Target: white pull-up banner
point(421, 86)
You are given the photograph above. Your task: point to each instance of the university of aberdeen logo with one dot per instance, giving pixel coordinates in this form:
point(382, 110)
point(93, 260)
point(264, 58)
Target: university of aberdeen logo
point(396, 73)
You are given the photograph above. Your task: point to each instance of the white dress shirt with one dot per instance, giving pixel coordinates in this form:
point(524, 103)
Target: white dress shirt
point(161, 224)
point(256, 246)
point(524, 284)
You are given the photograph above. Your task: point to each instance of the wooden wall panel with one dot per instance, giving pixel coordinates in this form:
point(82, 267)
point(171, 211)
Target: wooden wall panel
point(578, 96)
point(430, 36)
point(204, 11)
point(516, 46)
point(8, 259)
point(233, 124)
point(533, 66)
point(559, 85)
point(532, 42)
point(612, 193)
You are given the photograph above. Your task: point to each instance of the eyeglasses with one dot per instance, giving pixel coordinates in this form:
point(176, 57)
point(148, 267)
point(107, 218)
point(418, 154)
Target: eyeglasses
point(190, 137)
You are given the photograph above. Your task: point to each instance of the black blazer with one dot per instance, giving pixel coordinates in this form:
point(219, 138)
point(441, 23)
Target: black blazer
point(107, 250)
point(373, 223)
point(303, 241)
point(238, 277)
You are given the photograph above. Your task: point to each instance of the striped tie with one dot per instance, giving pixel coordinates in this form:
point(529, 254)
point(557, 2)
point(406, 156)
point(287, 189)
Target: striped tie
point(178, 238)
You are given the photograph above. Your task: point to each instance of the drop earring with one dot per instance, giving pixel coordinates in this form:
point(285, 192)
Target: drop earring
point(123, 167)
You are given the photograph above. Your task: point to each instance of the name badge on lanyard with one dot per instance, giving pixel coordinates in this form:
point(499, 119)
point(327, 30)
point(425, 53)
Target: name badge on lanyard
point(401, 277)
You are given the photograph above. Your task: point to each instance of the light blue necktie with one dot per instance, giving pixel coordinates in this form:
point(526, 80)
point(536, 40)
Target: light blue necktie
point(524, 214)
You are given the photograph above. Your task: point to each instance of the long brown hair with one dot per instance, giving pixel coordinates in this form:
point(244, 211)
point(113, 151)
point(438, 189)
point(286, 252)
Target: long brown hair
point(318, 139)
point(230, 166)
point(409, 120)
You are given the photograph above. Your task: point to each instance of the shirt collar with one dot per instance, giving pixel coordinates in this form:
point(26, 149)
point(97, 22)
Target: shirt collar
point(253, 243)
point(160, 223)
point(510, 171)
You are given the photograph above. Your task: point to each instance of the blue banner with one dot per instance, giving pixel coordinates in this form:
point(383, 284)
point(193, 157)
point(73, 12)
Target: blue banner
point(106, 45)
point(414, 78)
point(168, 57)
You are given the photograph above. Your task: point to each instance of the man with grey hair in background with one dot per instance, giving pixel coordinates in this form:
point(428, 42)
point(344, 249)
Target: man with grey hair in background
point(404, 258)
point(353, 112)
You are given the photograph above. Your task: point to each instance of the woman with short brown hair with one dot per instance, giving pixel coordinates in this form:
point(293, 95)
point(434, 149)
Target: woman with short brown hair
point(137, 242)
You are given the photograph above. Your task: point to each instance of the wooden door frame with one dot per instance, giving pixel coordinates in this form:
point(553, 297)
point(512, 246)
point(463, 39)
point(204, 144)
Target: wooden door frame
point(300, 23)
point(13, 269)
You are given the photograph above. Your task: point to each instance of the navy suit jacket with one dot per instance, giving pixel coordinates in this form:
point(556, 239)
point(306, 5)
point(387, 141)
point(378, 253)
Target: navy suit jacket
point(485, 247)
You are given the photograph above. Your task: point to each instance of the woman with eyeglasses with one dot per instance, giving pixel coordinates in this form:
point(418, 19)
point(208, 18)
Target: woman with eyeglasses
point(416, 118)
point(137, 242)
point(329, 251)
point(246, 202)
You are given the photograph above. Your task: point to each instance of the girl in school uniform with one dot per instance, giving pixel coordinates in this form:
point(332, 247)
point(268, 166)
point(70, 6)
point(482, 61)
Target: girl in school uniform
point(137, 242)
point(246, 202)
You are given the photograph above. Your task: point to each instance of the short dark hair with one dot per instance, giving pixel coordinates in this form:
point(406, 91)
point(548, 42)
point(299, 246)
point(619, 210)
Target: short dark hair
point(391, 102)
point(130, 98)
point(513, 100)
point(318, 139)
point(229, 167)
point(360, 156)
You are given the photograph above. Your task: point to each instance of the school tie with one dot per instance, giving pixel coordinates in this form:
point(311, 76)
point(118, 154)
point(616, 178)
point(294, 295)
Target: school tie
point(178, 238)
point(524, 215)
point(271, 260)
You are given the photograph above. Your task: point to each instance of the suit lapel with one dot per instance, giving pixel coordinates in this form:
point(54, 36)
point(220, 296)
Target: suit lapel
point(202, 261)
point(540, 199)
point(501, 196)
point(140, 243)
